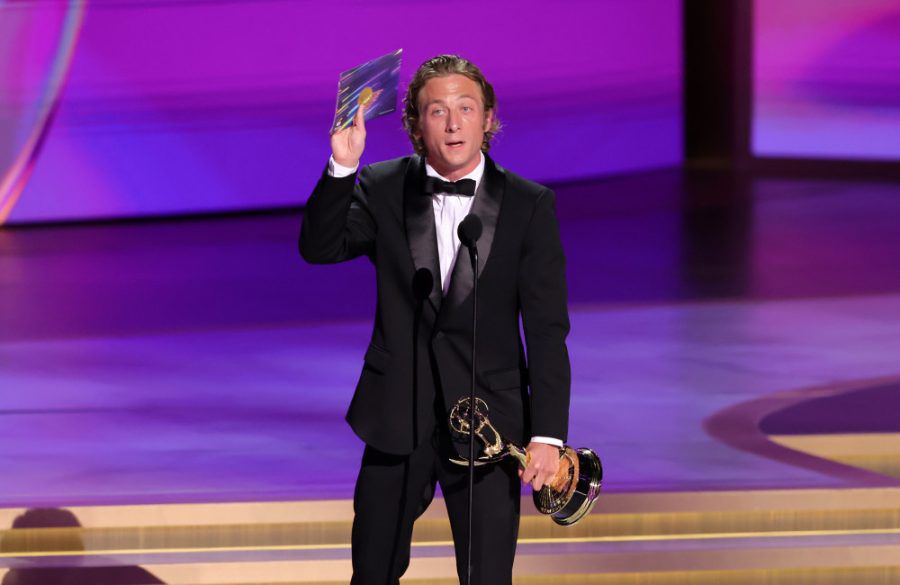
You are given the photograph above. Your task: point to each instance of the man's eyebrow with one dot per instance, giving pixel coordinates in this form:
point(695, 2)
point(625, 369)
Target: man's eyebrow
point(443, 102)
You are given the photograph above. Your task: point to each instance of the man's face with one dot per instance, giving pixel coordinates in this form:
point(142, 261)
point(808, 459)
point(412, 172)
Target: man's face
point(452, 123)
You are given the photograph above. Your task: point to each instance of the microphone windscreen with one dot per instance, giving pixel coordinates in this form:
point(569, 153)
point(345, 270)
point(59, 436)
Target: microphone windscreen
point(423, 282)
point(469, 230)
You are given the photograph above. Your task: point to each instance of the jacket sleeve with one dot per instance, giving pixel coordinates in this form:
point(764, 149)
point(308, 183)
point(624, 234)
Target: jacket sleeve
point(545, 318)
point(338, 223)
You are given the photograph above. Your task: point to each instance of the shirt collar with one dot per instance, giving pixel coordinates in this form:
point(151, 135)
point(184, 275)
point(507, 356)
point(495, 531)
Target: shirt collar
point(476, 173)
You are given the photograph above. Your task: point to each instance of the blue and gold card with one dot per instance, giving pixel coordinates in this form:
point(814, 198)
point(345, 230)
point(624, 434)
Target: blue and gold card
point(373, 84)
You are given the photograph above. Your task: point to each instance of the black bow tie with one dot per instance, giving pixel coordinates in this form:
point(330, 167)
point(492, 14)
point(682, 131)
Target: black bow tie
point(465, 187)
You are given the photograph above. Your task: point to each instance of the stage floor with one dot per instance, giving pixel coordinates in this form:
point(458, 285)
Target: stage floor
point(203, 361)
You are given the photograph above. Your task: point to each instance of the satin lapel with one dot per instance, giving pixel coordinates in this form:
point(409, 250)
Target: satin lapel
point(421, 236)
point(487, 207)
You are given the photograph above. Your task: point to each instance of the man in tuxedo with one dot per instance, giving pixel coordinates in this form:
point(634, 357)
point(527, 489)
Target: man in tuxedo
point(403, 215)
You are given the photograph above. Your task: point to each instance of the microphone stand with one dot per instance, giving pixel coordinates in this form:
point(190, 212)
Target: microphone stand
point(473, 256)
point(469, 231)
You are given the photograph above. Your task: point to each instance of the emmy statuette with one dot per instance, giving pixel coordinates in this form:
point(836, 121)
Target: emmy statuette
point(572, 492)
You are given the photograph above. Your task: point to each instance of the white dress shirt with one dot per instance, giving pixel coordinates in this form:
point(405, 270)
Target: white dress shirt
point(449, 211)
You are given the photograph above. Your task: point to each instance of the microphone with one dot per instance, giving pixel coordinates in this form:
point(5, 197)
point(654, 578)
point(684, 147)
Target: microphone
point(469, 230)
point(422, 283)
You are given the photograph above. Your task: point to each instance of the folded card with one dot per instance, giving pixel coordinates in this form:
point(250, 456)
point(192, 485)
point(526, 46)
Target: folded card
point(373, 84)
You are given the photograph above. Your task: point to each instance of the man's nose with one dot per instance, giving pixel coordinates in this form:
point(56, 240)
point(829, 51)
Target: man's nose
point(452, 121)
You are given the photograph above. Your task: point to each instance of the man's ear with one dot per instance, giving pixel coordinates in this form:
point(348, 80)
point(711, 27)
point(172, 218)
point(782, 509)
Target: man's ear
point(488, 119)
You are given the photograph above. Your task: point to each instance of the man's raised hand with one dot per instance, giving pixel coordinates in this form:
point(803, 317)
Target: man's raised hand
point(347, 145)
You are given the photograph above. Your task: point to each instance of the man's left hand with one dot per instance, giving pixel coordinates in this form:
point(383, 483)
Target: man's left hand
point(543, 464)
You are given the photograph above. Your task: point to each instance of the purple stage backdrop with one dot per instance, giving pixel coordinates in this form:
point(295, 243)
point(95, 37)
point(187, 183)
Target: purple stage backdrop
point(132, 108)
point(827, 79)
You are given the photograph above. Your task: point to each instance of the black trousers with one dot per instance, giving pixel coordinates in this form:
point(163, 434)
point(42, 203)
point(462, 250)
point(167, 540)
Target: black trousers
point(392, 491)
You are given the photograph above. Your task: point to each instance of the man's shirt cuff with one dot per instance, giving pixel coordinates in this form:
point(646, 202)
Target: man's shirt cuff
point(339, 171)
point(548, 440)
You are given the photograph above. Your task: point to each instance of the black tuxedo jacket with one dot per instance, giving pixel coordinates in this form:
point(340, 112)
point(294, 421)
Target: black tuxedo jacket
point(421, 347)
